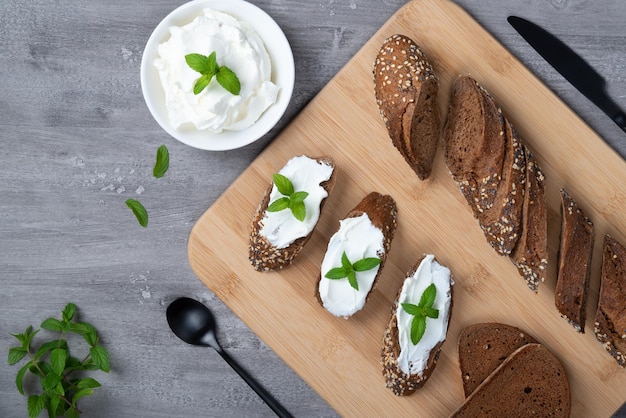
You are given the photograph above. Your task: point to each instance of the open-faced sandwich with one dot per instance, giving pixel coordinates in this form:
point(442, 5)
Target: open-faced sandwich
point(289, 211)
point(356, 255)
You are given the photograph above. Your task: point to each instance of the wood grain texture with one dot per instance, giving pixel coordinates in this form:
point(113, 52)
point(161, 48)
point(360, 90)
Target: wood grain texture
point(340, 358)
point(77, 140)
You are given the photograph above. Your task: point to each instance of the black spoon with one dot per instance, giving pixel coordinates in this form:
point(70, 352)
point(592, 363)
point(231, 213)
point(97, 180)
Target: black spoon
point(194, 323)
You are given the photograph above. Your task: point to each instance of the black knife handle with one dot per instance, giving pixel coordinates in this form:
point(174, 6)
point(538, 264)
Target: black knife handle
point(620, 119)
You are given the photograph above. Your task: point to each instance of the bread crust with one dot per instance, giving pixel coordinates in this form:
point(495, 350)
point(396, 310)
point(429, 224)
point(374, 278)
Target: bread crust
point(397, 380)
point(383, 213)
point(483, 347)
point(530, 382)
point(574, 263)
point(610, 319)
point(406, 89)
point(263, 255)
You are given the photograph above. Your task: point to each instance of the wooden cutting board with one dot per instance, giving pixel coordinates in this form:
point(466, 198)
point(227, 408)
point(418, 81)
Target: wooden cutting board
point(340, 358)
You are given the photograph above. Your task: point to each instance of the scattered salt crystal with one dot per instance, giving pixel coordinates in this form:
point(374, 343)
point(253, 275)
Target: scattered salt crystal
point(140, 190)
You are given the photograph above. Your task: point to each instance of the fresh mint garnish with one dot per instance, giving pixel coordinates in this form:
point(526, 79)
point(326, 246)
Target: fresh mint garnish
point(140, 212)
point(208, 67)
point(162, 162)
point(422, 311)
point(63, 379)
point(349, 269)
point(291, 199)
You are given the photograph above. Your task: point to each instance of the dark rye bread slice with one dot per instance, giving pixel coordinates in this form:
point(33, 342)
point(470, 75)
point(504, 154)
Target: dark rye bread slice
point(406, 90)
point(530, 255)
point(383, 213)
point(483, 347)
point(474, 143)
point(610, 321)
point(395, 378)
point(262, 254)
point(574, 263)
point(531, 382)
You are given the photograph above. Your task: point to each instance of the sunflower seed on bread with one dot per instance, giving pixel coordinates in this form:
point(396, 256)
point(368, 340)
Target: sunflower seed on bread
point(531, 382)
point(483, 347)
point(408, 361)
point(277, 237)
point(406, 90)
point(574, 263)
point(610, 321)
point(365, 233)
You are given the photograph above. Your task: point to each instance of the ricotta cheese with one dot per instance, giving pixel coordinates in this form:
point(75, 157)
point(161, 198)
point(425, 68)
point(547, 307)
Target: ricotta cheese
point(414, 358)
point(359, 238)
point(238, 47)
point(306, 174)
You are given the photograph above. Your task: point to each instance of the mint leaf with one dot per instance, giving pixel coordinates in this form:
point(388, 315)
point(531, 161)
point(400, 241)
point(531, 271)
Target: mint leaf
point(87, 383)
point(227, 79)
point(213, 68)
point(283, 184)
point(298, 209)
point(431, 313)
point(345, 262)
point(428, 297)
point(278, 205)
point(68, 312)
point(411, 309)
point(298, 196)
point(422, 311)
point(16, 354)
point(352, 280)
point(201, 83)
point(366, 264)
point(35, 405)
point(100, 357)
point(52, 324)
point(19, 378)
point(198, 62)
point(140, 212)
point(336, 273)
point(162, 162)
point(57, 359)
point(418, 327)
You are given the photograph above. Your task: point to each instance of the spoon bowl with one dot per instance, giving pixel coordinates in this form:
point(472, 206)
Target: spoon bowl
point(194, 323)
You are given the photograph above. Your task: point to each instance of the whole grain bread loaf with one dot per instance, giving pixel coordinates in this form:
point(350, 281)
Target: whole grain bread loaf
point(574, 263)
point(531, 382)
point(262, 254)
point(610, 321)
point(406, 89)
point(483, 347)
point(383, 214)
point(530, 255)
point(399, 382)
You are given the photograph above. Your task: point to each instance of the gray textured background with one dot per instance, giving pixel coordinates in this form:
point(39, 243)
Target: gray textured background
point(77, 140)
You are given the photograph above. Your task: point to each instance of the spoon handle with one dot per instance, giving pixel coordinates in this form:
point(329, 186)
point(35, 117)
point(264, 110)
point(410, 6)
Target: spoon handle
point(267, 398)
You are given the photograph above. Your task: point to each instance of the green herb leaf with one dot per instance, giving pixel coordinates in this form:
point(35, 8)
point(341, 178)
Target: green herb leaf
point(227, 79)
point(35, 405)
point(50, 381)
point(87, 383)
point(198, 62)
point(345, 262)
point(418, 327)
point(57, 359)
point(162, 162)
point(298, 209)
point(72, 412)
point(16, 354)
point(19, 378)
point(411, 309)
point(139, 211)
point(53, 406)
point(68, 312)
point(278, 205)
point(352, 280)
point(336, 273)
point(80, 394)
point(432, 313)
point(100, 357)
point(298, 196)
point(283, 184)
point(52, 324)
point(201, 83)
point(366, 264)
point(428, 297)
point(212, 65)
point(87, 331)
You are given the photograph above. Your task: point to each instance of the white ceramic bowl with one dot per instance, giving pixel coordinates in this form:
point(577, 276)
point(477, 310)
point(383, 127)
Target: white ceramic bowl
point(283, 73)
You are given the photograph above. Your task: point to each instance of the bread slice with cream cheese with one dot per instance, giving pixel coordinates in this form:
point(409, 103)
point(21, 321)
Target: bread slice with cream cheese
point(407, 366)
point(277, 237)
point(365, 233)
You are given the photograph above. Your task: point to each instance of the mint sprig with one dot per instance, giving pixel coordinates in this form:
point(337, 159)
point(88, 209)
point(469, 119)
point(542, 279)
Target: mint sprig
point(162, 163)
point(420, 312)
point(349, 269)
point(53, 363)
point(291, 199)
point(208, 67)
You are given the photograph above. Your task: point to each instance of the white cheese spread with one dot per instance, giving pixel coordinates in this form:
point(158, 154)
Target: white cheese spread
point(306, 174)
point(414, 358)
point(359, 238)
point(238, 47)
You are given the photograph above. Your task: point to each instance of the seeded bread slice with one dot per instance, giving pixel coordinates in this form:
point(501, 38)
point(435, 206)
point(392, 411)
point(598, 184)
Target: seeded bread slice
point(610, 320)
point(262, 254)
point(574, 265)
point(531, 382)
point(474, 143)
point(406, 90)
point(383, 214)
point(396, 379)
point(483, 347)
point(530, 255)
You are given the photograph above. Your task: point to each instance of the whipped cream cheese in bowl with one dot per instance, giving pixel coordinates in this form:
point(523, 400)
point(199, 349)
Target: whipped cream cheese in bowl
point(246, 40)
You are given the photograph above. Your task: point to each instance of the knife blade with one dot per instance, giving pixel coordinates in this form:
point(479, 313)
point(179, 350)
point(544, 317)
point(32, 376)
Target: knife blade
point(571, 66)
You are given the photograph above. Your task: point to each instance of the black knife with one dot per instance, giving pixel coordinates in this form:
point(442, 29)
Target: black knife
point(571, 66)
